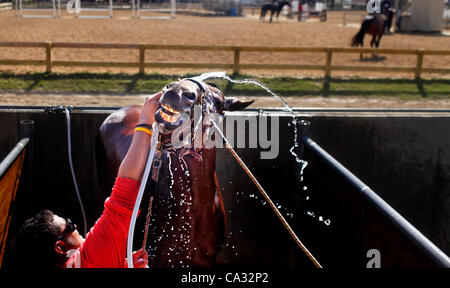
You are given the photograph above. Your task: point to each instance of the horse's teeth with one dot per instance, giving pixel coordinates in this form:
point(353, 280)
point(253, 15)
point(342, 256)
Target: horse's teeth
point(167, 117)
point(168, 108)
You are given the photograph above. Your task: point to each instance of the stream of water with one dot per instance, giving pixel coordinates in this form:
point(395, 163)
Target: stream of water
point(294, 122)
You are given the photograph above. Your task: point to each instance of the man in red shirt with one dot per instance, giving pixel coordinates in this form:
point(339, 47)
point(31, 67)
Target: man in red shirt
point(55, 240)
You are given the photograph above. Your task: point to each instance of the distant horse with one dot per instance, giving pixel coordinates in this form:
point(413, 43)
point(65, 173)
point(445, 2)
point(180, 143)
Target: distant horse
point(386, 9)
point(389, 13)
point(273, 7)
point(373, 25)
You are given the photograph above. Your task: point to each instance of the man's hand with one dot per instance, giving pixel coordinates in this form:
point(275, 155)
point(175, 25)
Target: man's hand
point(151, 105)
point(140, 259)
point(133, 164)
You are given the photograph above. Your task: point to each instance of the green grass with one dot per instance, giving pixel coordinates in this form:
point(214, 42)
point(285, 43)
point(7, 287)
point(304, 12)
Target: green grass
point(149, 83)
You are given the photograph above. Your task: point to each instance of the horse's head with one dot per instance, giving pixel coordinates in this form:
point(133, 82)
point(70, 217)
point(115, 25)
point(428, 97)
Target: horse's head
point(188, 197)
point(180, 98)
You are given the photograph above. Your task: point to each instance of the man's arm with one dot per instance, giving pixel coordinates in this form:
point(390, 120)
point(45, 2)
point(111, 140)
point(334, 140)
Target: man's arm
point(105, 244)
point(133, 164)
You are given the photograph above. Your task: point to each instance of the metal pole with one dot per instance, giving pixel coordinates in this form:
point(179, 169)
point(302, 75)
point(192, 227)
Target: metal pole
point(11, 157)
point(27, 131)
point(409, 230)
point(173, 8)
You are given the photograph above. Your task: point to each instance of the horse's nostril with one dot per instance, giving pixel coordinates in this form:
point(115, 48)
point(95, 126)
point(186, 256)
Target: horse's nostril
point(189, 95)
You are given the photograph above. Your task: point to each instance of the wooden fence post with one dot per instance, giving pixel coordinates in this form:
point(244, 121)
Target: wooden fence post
point(419, 64)
point(142, 59)
point(48, 57)
point(329, 59)
point(236, 60)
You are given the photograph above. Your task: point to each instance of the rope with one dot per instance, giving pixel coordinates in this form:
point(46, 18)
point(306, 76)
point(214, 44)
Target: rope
point(147, 222)
point(274, 208)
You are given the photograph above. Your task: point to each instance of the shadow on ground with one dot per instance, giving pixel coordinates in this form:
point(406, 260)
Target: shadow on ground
point(407, 89)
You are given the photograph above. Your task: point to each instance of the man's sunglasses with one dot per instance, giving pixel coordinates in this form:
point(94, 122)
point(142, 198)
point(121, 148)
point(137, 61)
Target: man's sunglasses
point(70, 227)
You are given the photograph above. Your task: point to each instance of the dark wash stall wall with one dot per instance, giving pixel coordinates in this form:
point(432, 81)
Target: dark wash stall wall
point(405, 159)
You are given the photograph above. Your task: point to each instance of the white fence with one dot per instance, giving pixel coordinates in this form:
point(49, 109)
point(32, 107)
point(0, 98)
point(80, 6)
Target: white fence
point(5, 6)
point(97, 10)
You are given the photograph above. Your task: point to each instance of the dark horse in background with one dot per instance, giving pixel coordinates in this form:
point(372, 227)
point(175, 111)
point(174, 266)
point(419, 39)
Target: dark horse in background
point(273, 7)
point(373, 25)
point(386, 9)
point(187, 226)
point(389, 13)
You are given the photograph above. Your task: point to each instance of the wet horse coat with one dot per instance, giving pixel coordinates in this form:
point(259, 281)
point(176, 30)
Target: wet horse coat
point(187, 227)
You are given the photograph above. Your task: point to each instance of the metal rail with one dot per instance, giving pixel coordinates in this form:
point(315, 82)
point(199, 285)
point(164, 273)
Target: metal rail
point(265, 109)
point(12, 156)
point(422, 242)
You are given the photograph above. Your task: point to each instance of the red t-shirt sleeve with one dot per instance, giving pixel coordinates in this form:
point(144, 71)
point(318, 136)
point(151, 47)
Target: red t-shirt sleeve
point(105, 244)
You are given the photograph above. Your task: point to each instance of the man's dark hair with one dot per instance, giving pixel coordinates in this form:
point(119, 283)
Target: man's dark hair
point(35, 241)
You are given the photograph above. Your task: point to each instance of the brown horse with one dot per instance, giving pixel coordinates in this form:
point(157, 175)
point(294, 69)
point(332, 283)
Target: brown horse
point(187, 226)
point(372, 25)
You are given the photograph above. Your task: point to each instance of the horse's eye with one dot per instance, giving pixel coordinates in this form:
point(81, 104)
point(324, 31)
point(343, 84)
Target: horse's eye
point(189, 95)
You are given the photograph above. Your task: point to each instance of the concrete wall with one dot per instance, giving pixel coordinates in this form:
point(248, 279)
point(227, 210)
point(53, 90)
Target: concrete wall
point(405, 159)
point(427, 15)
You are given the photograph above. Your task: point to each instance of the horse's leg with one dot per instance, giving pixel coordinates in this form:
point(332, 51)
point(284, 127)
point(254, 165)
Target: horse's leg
point(388, 22)
point(361, 54)
point(271, 16)
point(372, 43)
point(377, 43)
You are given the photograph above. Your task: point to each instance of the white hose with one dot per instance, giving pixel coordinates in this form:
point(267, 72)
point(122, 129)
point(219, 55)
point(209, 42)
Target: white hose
point(140, 194)
point(69, 152)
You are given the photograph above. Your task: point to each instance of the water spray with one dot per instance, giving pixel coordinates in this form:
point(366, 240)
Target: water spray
point(200, 79)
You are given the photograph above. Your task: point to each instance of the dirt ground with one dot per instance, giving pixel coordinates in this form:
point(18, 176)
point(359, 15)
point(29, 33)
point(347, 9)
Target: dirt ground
point(51, 99)
point(207, 30)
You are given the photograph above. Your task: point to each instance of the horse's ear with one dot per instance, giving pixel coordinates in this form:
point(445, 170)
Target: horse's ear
point(233, 104)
